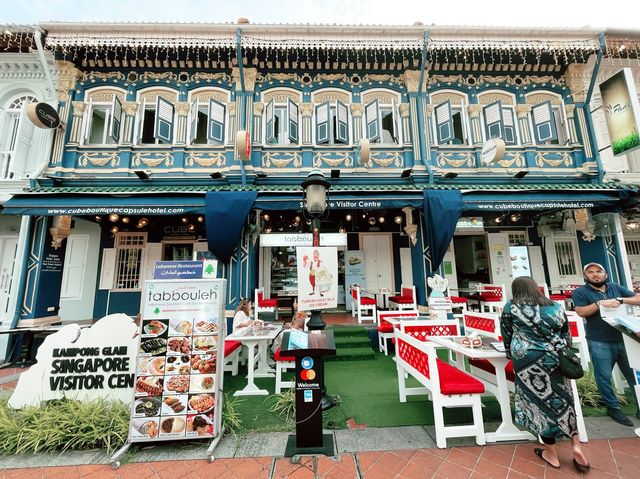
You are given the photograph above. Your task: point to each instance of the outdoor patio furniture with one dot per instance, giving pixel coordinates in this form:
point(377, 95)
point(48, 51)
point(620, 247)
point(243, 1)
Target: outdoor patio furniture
point(386, 329)
point(364, 307)
point(459, 302)
point(448, 386)
point(232, 351)
point(405, 300)
point(283, 363)
point(264, 305)
point(492, 297)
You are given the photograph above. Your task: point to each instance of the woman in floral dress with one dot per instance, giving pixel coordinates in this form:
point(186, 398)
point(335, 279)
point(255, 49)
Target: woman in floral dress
point(534, 328)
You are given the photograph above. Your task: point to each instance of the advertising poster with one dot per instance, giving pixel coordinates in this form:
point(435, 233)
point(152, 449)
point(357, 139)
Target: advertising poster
point(317, 269)
point(519, 256)
point(353, 273)
point(178, 381)
point(622, 111)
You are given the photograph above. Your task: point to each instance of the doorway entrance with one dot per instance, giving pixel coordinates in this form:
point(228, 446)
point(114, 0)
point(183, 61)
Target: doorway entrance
point(471, 260)
point(8, 248)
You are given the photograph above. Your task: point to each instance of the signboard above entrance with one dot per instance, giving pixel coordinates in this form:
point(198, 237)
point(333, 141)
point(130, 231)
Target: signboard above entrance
point(302, 239)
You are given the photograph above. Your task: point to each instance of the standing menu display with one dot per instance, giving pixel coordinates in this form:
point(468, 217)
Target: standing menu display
point(179, 368)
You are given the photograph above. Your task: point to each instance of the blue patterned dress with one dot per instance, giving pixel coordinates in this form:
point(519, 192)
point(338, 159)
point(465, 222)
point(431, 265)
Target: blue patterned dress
point(543, 397)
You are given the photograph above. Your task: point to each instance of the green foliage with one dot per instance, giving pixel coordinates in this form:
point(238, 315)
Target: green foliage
point(231, 417)
point(628, 142)
point(63, 425)
point(589, 394)
point(284, 404)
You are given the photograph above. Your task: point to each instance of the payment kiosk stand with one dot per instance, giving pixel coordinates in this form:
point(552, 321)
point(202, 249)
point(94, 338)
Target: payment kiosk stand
point(309, 349)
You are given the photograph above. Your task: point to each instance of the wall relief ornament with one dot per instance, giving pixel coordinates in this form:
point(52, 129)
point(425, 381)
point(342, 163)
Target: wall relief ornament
point(577, 78)
point(88, 76)
point(281, 159)
point(306, 109)
point(152, 159)
point(357, 109)
point(182, 108)
point(386, 158)
point(456, 160)
point(150, 96)
point(78, 107)
point(156, 77)
point(542, 159)
point(454, 98)
point(103, 95)
point(130, 107)
point(404, 110)
point(331, 96)
point(333, 159)
point(202, 76)
point(250, 76)
point(515, 80)
point(512, 159)
point(374, 77)
point(99, 158)
point(205, 160)
point(492, 97)
point(385, 98)
point(281, 96)
point(204, 96)
point(412, 80)
point(258, 108)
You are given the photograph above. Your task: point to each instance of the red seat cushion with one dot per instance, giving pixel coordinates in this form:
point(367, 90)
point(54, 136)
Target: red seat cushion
point(557, 297)
point(491, 298)
point(230, 346)
point(459, 299)
point(365, 300)
point(268, 303)
point(485, 365)
point(278, 357)
point(455, 381)
point(401, 299)
point(385, 328)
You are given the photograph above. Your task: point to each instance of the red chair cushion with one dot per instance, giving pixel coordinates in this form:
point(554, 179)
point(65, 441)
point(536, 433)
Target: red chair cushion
point(401, 299)
point(557, 297)
point(485, 365)
point(455, 381)
point(459, 299)
point(385, 328)
point(490, 297)
point(268, 303)
point(230, 346)
point(365, 300)
point(278, 357)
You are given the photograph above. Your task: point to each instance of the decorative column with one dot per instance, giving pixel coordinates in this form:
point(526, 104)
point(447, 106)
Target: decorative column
point(522, 111)
point(130, 110)
point(68, 76)
point(570, 110)
point(416, 102)
point(357, 109)
point(476, 128)
point(406, 128)
point(427, 122)
point(306, 109)
point(258, 110)
point(577, 78)
point(182, 110)
point(76, 125)
point(250, 75)
point(231, 108)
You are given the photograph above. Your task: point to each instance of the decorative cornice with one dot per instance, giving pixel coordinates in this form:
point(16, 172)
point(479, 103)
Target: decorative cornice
point(577, 78)
point(357, 109)
point(130, 107)
point(412, 80)
point(306, 109)
point(250, 75)
point(182, 108)
point(78, 108)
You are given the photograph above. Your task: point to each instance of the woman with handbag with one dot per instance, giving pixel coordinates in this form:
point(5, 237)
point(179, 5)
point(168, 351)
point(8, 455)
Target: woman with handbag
point(535, 331)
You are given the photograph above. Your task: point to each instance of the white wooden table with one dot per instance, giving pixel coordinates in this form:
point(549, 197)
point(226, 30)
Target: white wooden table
point(507, 431)
point(257, 342)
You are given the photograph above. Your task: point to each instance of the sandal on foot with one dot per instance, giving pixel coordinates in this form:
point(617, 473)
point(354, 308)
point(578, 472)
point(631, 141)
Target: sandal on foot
point(581, 467)
point(539, 451)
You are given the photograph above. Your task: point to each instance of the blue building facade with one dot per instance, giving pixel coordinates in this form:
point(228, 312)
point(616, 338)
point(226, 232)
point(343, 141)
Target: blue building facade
point(158, 121)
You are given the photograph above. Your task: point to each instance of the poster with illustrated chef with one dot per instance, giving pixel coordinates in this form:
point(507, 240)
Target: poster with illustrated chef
point(317, 269)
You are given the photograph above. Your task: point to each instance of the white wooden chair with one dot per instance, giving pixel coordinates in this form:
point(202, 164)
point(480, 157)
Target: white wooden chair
point(405, 300)
point(492, 297)
point(386, 329)
point(448, 386)
point(283, 363)
point(364, 307)
point(232, 350)
point(264, 305)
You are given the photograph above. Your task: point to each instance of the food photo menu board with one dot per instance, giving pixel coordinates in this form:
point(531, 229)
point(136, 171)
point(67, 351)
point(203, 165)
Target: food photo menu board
point(179, 369)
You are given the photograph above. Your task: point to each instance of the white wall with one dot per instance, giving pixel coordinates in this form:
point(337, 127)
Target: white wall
point(77, 309)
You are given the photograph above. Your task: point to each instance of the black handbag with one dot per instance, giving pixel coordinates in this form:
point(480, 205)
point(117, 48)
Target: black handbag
point(570, 365)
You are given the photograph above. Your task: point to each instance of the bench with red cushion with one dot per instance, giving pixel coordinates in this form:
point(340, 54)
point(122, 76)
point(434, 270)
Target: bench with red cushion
point(279, 357)
point(266, 303)
point(230, 346)
point(401, 299)
point(455, 381)
point(557, 297)
point(459, 299)
point(366, 300)
point(485, 365)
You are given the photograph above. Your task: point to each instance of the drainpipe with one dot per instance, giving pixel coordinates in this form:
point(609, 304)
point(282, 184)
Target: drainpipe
point(243, 103)
point(587, 106)
point(423, 137)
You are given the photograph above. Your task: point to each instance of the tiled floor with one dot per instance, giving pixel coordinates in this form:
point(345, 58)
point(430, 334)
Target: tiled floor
point(610, 459)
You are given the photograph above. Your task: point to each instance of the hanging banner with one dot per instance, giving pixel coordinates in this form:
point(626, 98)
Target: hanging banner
point(622, 111)
point(178, 384)
point(354, 269)
point(317, 278)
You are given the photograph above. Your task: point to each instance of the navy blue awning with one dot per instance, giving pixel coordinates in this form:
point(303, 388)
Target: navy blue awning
point(225, 215)
point(442, 209)
point(504, 201)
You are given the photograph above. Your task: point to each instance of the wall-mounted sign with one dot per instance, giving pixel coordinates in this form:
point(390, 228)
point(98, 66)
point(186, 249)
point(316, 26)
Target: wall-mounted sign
point(622, 111)
point(43, 115)
point(492, 151)
point(185, 269)
point(302, 239)
point(83, 364)
point(470, 223)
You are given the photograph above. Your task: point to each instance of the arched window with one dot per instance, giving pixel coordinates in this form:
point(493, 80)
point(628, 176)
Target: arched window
point(499, 116)
point(548, 119)
point(16, 131)
point(332, 117)
point(156, 116)
point(281, 117)
point(449, 118)
point(381, 117)
point(104, 118)
point(208, 117)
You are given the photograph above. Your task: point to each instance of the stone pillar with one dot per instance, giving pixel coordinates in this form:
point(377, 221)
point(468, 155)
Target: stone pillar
point(182, 110)
point(571, 121)
point(522, 112)
point(75, 137)
point(258, 110)
point(406, 127)
point(577, 78)
point(428, 118)
point(476, 127)
point(416, 102)
point(250, 75)
point(68, 76)
point(357, 109)
point(130, 109)
point(306, 109)
point(231, 108)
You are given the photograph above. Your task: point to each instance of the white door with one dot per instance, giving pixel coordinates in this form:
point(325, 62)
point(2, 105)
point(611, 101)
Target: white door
point(498, 244)
point(564, 260)
point(8, 248)
point(450, 272)
point(535, 259)
point(152, 253)
point(379, 261)
point(406, 267)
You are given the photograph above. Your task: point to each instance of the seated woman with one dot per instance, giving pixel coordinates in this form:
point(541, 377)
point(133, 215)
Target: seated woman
point(242, 318)
point(296, 323)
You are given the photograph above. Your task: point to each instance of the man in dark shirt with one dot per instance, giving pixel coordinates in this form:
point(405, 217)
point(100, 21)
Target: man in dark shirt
point(605, 342)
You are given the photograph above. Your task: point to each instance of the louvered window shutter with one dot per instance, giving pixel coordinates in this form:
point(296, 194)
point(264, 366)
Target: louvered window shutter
point(544, 125)
point(493, 121)
point(372, 116)
point(292, 115)
point(509, 126)
point(342, 122)
point(193, 121)
point(116, 119)
point(217, 112)
point(140, 123)
point(269, 115)
point(444, 122)
point(322, 123)
point(164, 120)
